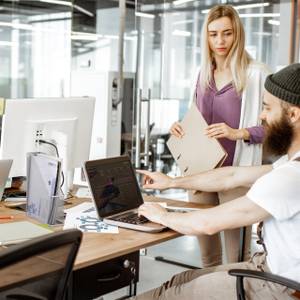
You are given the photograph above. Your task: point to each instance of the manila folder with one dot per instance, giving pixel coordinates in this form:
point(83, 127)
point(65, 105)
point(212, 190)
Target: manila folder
point(195, 152)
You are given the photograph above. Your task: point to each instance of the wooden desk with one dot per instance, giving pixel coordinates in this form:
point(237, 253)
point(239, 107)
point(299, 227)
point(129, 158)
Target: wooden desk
point(99, 267)
point(127, 241)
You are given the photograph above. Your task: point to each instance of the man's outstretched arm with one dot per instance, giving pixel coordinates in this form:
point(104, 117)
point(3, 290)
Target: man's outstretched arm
point(216, 180)
point(233, 214)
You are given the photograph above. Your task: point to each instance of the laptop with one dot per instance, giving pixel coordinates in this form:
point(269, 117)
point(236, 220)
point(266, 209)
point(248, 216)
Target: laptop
point(116, 194)
point(5, 165)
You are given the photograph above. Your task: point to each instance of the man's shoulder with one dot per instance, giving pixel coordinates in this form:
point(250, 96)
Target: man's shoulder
point(280, 171)
point(280, 161)
point(279, 183)
point(285, 174)
point(285, 162)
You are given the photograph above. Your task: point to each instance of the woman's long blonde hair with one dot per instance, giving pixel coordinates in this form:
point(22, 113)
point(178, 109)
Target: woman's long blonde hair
point(237, 59)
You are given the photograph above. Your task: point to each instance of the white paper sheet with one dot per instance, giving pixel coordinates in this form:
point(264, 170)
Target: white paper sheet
point(80, 207)
point(16, 232)
point(83, 192)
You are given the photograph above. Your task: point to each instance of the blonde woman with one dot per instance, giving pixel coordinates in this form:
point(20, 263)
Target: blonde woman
point(229, 94)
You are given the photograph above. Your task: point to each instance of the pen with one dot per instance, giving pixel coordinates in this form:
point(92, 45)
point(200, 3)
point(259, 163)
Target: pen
point(6, 217)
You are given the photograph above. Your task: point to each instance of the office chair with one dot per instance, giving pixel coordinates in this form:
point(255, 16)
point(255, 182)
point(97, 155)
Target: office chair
point(39, 269)
point(240, 274)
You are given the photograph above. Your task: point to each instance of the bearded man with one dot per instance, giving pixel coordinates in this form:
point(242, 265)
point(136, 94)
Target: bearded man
point(274, 199)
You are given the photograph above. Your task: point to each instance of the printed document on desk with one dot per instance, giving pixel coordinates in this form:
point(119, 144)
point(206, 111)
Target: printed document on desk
point(195, 152)
point(88, 222)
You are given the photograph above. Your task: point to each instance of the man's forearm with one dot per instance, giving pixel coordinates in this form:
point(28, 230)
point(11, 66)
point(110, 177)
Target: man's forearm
point(233, 214)
point(211, 181)
point(221, 179)
point(193, 223)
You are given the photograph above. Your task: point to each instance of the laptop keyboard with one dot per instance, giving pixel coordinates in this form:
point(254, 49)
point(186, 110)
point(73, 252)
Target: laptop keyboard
point(132, 218)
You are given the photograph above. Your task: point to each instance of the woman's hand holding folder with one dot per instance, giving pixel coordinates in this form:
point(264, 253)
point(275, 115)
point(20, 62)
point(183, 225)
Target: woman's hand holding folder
point(177, 130)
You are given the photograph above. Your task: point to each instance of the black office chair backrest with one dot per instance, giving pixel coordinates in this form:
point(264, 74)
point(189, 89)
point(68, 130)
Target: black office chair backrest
point(39, 268)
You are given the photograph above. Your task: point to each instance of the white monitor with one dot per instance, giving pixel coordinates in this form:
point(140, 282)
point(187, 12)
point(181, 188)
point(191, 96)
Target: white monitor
point(66, 122)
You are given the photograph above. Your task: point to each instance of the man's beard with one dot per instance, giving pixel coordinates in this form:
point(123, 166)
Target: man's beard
point(278, 136)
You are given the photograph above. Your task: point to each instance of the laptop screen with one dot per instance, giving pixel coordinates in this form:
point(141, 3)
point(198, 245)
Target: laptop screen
point(113, 185)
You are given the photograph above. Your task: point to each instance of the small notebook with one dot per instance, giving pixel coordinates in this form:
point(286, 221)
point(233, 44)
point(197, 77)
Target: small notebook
point(17, 232)
point(195, 152)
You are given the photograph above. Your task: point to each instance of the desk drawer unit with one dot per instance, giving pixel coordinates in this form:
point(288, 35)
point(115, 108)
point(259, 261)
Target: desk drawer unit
point(105, 277)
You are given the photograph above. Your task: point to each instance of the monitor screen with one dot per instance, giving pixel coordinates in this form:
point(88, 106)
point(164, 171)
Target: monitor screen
point(113, 185)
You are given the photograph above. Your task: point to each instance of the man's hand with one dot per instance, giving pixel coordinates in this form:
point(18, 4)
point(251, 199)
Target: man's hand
point(222, 130)
point(155, 180)
point(153, 212)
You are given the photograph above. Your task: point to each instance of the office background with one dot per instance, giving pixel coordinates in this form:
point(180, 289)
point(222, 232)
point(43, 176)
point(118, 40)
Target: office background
point(45, 42)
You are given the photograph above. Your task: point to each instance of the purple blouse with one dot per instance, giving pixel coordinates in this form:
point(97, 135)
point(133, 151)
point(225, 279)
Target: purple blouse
point(224, 106)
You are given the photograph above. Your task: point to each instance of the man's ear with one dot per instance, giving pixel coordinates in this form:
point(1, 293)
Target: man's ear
point(294, 113)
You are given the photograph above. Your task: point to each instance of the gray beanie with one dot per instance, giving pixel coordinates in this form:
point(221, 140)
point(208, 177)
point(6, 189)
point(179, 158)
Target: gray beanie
point(285, 84)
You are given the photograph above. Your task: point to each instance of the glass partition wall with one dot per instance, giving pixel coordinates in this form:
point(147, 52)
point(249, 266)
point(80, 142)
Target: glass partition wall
point(45, 44)
point(35, 48)
point(104, 45)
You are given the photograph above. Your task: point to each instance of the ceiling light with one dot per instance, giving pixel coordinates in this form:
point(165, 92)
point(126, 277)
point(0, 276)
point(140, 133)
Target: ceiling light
point(84, 36)
point(181, 33)
point(274, 22)
point(135, 32)
point(65, 3)
point(17, 25)
point(111, 37)
point(263, 33)
point(179, 2)
point(245, 6)
point(183, 22)
point(84, 11)
point(22, 26)
point(130, 38)
point(253, 5)
point(70, 4)
point(259, 15)
point(8, 44)
point(144, 15)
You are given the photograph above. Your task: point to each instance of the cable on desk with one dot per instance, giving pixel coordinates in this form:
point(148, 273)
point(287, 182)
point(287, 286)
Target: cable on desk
point(57, 154)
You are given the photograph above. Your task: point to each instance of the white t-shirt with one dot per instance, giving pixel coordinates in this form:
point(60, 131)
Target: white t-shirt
point(278, 192)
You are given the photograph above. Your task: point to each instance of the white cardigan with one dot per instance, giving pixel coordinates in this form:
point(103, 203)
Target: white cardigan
point(252, 97)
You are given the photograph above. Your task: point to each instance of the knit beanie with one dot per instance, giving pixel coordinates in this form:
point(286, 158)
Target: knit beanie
point(285, 84)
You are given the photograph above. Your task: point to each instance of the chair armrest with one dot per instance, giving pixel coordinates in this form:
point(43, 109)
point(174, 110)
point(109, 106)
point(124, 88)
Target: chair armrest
point(26, 296)
point(265, 276)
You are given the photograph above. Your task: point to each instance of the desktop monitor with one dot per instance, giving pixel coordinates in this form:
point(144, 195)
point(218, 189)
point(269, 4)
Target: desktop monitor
point(64, 122)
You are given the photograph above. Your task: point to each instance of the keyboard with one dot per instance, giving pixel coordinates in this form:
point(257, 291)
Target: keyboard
point(131, 218)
